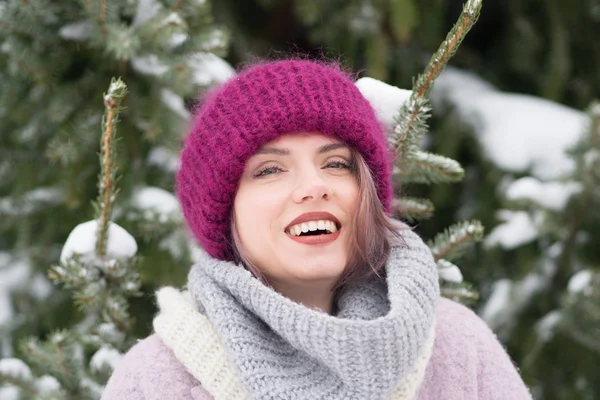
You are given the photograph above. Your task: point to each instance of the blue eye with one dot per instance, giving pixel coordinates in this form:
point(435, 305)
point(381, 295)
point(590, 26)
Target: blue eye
point(268, 170)
point(338, 165)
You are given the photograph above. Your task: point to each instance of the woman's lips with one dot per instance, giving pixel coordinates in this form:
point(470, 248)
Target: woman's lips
point(315, 240)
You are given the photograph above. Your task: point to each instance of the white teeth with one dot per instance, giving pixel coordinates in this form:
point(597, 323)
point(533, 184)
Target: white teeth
point(304, 227)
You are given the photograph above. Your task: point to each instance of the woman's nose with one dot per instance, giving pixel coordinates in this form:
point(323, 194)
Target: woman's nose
point(312, 188)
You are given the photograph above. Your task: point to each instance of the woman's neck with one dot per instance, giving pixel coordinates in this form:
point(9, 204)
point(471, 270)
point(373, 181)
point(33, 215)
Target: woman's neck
point(312, 295)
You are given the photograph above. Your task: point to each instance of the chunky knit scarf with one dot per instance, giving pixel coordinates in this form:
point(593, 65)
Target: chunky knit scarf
point(376, 347)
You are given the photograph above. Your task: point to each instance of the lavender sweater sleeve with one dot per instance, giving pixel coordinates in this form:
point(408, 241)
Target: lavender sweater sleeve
point(150, 371)
point(467, 363)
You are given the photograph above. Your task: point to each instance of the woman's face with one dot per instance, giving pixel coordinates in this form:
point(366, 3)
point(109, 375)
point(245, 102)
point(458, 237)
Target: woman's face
point(297, 182)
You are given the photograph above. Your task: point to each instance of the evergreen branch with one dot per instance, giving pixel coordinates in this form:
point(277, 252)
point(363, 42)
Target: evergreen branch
point(50, 357)
point(414, 113)
point(412, 209)
point(20, 30)
point(410, 128)
point(593, 136)
point(91, 296)
point(453, 242)
point(60, 359)
point(112, 103)
point(116, 310)
point(423, 167)
point(467, 19)
point(462, 293)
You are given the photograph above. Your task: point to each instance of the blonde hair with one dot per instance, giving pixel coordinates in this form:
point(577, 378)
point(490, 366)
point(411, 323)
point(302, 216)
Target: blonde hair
point(374, 233)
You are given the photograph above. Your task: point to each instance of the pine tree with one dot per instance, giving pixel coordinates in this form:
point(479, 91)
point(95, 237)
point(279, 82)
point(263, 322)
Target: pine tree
point(57, 59)
point(559, 294)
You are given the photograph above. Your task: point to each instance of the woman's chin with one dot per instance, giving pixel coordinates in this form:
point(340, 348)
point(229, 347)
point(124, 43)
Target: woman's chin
point(326, 270)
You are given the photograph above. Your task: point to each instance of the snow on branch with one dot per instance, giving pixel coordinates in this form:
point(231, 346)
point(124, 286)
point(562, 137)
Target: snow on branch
point(430, 168)
point(453, 242)
point(412, 208)
point(449, 272)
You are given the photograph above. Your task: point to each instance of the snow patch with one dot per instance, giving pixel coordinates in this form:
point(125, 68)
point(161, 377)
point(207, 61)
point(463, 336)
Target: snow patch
point(175, 243)
point(149, 65)
point(105, 358)
point(79, 31)
point(551, 195)
point(517, 132)
point(385, 99)
point(41, 287)
point(546, 326)
point(47, 384)
point(15, 367)
point(32, 201)
point(366, 21)
point(172, 19)
point(13, 274)
point(518, 229)
point(9, 393)
point(175, 103)
point(509, 298)
point(82, 241)
point(498, 301)
point(165, 159)
point(146, 9)
point(580, 281)
point(208, 68)
point(156, 201)
point(177, 39)
point(449, 272)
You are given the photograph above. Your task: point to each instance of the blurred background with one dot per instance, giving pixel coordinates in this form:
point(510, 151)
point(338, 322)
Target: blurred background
point(516, 107)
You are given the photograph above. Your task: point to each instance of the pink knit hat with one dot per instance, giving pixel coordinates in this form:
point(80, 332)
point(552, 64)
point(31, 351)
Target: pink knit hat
point(256, 107)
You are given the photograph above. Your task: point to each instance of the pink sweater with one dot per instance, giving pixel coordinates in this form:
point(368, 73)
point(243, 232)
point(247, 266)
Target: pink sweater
point(467, 363)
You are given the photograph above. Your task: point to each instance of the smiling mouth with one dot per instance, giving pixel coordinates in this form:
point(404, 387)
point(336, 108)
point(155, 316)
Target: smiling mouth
point(314, 228)
point(317, 237)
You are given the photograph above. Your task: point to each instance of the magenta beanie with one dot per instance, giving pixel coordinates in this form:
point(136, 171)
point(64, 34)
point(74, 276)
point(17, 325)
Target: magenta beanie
point(257, 106)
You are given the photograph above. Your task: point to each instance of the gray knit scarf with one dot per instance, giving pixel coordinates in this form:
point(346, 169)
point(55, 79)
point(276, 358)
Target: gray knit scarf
point(284, 350)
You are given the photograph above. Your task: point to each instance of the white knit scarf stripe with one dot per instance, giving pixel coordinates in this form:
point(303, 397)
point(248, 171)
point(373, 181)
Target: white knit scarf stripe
point(197, 345)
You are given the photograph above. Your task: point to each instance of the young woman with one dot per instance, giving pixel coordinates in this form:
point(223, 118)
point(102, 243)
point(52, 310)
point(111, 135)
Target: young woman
point(306, 289)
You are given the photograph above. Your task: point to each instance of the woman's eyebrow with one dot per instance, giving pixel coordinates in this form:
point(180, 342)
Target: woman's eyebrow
point(331, 147)
point(273, 150)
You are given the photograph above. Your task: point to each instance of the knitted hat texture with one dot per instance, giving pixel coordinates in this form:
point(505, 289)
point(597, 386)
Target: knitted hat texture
point(255, 107)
